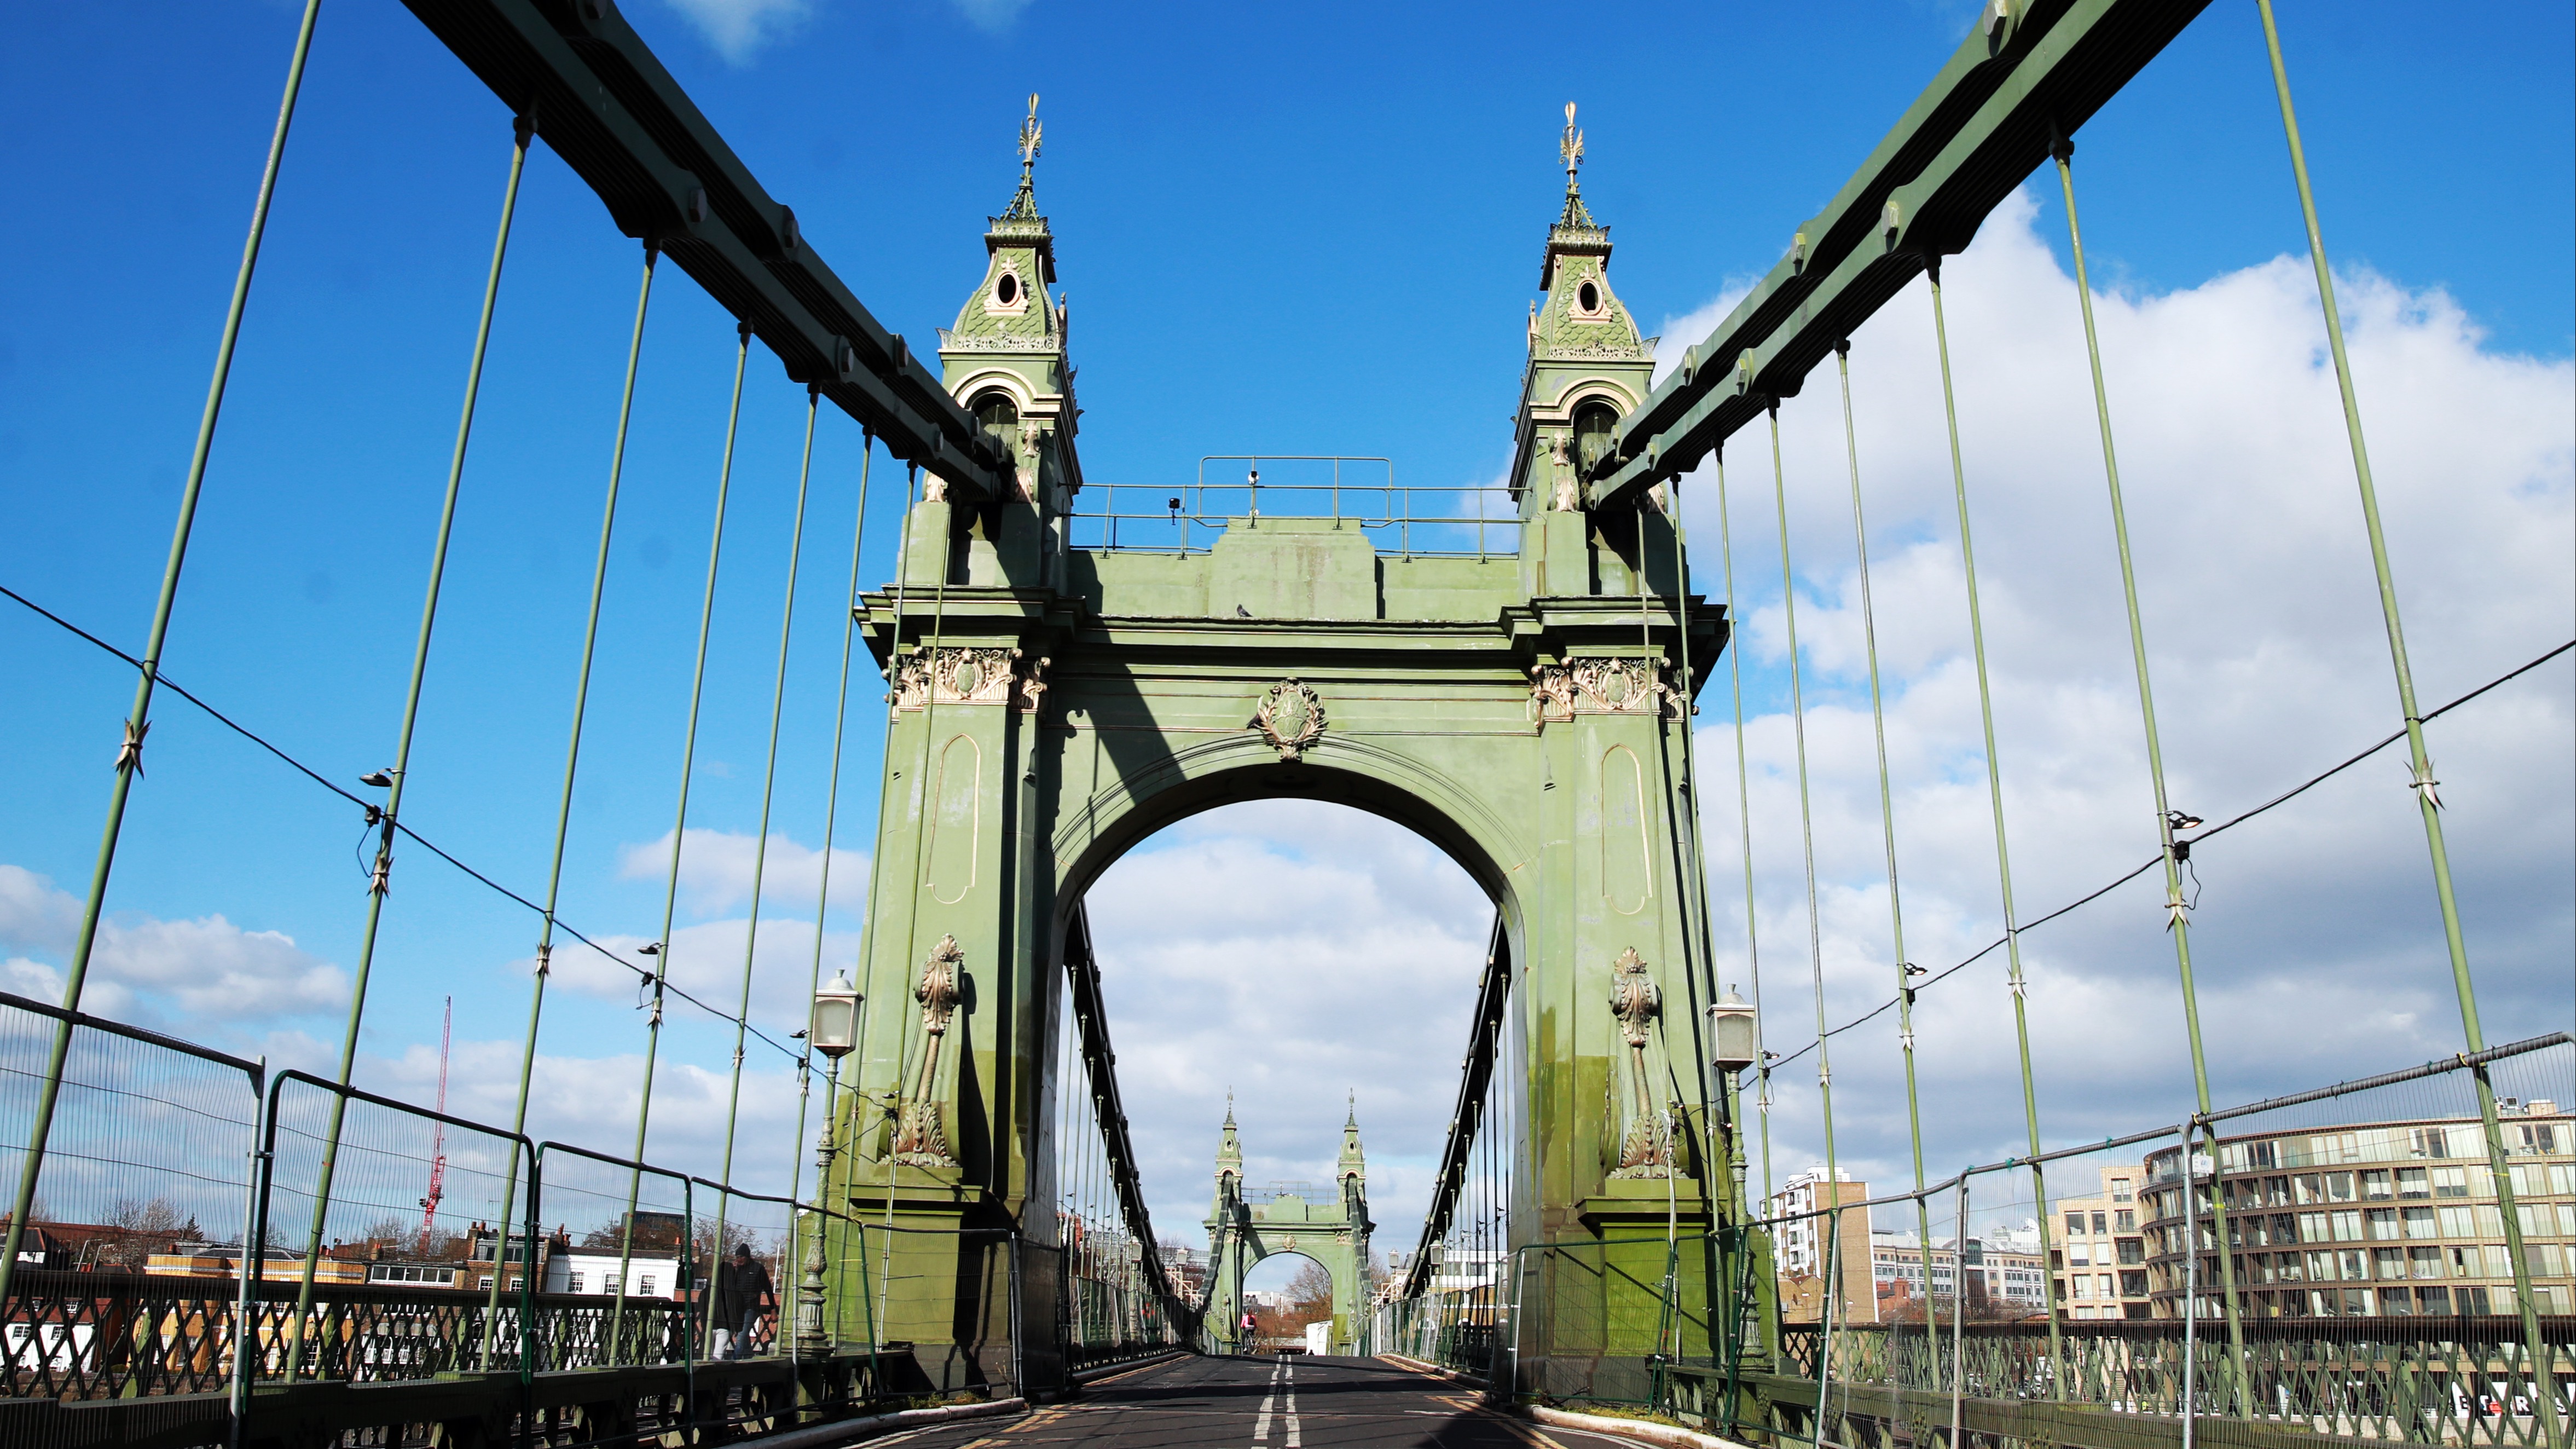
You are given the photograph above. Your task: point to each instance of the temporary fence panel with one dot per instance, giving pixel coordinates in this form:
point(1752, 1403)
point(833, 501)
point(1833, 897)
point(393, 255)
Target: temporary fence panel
point(128, 1279)
point(619, 1287)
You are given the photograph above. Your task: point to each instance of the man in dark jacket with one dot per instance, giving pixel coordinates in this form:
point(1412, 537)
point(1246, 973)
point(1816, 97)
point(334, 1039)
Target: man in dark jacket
point(742, 1297)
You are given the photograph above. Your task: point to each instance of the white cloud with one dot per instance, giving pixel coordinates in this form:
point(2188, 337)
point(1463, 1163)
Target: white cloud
point(739, 28)
point(204, 968)
point(1289, 951)
point(2269, 663)
point(716, 870)
point(991, 16)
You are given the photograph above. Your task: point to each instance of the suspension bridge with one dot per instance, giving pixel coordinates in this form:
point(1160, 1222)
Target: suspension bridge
point(1065, 668)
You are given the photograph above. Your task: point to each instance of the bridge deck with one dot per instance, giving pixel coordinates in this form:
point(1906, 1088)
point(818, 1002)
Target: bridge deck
point(1284, 1403)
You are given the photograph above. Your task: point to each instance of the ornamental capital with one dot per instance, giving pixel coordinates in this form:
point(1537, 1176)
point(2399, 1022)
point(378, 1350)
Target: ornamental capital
point(1559, 692)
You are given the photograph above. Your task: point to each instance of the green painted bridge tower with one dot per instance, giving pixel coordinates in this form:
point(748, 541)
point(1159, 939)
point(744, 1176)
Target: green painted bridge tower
point(1330, 1226)
point(1053, 704)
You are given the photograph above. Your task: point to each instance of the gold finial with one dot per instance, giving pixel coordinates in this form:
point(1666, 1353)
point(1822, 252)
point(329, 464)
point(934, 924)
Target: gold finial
point(1571, 147)
point(1030, 131)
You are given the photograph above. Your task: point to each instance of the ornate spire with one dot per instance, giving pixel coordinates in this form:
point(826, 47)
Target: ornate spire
point(1570, 147)
point(1024, 204)
point(1575, 233)
point(1354, 1162)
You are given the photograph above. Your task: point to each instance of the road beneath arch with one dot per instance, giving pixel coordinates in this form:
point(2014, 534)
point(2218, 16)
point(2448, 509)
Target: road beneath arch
point(1266, 1403)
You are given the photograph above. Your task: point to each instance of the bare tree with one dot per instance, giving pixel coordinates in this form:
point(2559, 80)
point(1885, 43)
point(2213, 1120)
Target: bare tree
point(137, 1230)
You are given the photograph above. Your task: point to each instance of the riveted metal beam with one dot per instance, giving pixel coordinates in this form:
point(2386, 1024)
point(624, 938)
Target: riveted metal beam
point(605, 104)
point(2029, 71)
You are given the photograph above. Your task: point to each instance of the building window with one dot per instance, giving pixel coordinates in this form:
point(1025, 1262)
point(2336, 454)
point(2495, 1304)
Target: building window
point(994, 409)
point(1595, 430)
point(1587, 299)
point(2124, 1221)
point(1006, 290)
point(2120, 1190)
point(572, 1283)
point(2101, 1223)
point(2429, 1142)
point(644, 1287)
point(2075, 1223)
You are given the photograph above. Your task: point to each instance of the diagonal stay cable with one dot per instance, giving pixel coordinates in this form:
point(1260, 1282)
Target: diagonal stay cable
point(2232, 821)
point(308, 772)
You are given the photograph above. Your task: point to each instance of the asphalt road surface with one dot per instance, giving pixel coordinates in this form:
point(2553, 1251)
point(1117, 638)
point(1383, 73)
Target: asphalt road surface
point(1263, 1403)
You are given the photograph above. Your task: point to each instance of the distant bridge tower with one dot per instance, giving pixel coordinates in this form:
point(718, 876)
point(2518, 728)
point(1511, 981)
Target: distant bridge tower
point(1330, 1226)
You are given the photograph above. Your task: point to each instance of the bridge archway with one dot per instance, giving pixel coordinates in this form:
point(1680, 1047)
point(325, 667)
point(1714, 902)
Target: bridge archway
point(1036, 738)
point(1524, 707)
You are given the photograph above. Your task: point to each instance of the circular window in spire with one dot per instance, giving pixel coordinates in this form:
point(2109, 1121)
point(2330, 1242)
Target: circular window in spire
point(1587, 298)
point(1006, 290)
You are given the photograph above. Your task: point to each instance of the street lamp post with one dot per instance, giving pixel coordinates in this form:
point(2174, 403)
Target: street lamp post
point(833, 1032)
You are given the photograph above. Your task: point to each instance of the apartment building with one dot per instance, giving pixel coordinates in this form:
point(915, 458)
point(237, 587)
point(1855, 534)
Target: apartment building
point(2099, 1260)
point(2387, 1218)
point(2000, 1273)
point(1799, 1247)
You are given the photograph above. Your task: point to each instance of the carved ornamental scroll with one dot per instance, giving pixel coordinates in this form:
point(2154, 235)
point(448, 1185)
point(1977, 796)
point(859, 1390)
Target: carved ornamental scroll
point(969, 675)
point(920, 1140)
point(1559, 692)
point(1646, 1148)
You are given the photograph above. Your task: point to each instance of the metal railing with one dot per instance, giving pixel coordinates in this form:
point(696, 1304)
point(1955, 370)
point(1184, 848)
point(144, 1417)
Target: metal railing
point(1355, 492)
point(2447, 1380)
point(135, 1295)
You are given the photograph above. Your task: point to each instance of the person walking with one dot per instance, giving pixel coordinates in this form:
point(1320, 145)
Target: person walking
point(743, 1294)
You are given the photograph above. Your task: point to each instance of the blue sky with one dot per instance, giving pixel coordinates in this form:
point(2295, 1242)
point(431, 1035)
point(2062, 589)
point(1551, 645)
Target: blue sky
point(1285, 230)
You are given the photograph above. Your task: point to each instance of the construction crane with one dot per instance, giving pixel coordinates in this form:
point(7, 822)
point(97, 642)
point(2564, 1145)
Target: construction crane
point(438, 1140)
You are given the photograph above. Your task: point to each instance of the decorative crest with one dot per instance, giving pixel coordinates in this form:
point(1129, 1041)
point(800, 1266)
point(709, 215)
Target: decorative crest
point(1291, 717)
point(1030, 133)
point(1570, 146)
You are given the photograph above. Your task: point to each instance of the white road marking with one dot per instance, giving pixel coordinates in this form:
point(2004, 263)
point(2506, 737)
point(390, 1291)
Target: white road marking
point(1261, 1421)
point(1294, 1442)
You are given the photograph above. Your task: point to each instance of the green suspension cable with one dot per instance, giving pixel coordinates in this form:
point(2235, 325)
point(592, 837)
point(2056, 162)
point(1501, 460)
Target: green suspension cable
point(680, 823)
point(1807, 834)
point(1696, 900)
point(768, 791)
point(380, 881)
point(138, 721)
point(1744, 819)
point(2423, 783)
point(563, 808)
point(1995, 799)
point(823, 888)
point(2178, 920)
point(1887, 828)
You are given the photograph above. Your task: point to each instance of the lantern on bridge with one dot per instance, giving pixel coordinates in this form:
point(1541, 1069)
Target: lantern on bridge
point(835, 1027)
point(1733, 1034)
